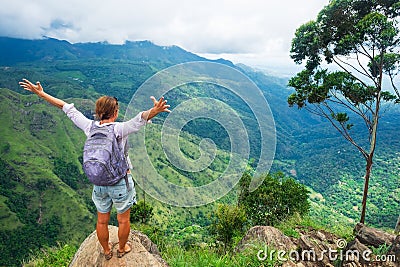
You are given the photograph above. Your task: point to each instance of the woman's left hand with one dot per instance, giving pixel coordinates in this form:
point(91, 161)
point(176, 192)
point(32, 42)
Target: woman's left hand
point(160, 105)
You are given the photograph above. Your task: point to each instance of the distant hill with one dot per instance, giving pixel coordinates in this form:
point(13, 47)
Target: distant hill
point(47, 50)
point(40, 148)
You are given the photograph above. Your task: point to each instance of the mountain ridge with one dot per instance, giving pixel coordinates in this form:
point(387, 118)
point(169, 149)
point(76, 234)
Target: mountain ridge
point(49, 49)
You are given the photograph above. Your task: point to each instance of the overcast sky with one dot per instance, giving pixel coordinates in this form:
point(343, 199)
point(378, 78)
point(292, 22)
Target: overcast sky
point(255, 32)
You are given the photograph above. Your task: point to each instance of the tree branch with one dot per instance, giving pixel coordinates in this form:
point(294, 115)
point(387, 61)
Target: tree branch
point(357, 110)
point(365, 53)
point(347, 71)
point(391, 76)
point(351, 66)
point(366, 72)
point(342, 130)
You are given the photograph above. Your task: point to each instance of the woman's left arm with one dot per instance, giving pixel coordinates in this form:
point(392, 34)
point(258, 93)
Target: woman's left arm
point(134, 124)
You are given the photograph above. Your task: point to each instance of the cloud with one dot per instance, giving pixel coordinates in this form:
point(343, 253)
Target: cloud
point(256, 28)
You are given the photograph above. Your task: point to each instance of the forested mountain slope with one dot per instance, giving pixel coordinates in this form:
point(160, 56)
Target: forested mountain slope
point(44, 193)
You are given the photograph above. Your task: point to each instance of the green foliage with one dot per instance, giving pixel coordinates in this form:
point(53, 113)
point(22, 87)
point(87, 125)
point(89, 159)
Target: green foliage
point(175, 253)
point(306, 44)
point(202, 254)
point(342, 28)
point(391, 63)
point(44, 233)
point(141, 212)
point(30, 237)
point(193, 236)
point(295, 223)
point(229, 222)
point(35, 203)
point(8, 180)
point(347, 27)
point(275, 200)
point(381, 250)
point(200, 257)
point(69, 173)
point(59, 256)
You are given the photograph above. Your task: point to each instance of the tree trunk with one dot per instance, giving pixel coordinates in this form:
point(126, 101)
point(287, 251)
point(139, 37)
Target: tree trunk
point(366, 184)
point(370, 156)
point(397, 228)
point(225, 245)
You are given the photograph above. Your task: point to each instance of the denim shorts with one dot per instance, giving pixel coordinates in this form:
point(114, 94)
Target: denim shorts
point(104, 197)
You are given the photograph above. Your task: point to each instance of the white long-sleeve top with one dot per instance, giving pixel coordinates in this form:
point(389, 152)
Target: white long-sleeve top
point(121, 129)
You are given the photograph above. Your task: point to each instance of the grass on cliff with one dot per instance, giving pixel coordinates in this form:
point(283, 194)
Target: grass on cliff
point(58, 256)
point(175, 256)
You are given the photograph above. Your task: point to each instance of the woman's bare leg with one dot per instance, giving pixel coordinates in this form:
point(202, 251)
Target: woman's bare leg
point(102, 230)
point(124, 228)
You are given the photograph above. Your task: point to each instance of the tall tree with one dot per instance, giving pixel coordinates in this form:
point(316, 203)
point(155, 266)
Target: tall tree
point(360, 38)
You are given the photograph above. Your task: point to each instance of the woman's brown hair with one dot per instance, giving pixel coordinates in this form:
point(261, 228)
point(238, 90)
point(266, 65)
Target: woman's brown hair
point(106, 106)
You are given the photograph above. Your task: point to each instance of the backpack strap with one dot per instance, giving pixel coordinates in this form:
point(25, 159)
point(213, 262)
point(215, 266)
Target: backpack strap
point(128, 186)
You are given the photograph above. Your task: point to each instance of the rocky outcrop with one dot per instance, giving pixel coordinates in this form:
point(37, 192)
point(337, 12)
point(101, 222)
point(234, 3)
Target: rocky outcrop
point(395, 248)
point(267, 235)
point(372, 237)
point(144, 252)
point(321, 248)
point(313, 247)
point(355, 254)
point(367, 238)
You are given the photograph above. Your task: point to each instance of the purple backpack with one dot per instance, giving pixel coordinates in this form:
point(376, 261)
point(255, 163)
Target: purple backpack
point(104, 161)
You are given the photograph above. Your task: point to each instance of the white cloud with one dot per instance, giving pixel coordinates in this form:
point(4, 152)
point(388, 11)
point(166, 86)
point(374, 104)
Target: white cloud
point(246, 31)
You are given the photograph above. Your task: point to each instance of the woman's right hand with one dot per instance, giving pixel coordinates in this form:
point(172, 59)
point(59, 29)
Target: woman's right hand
point(27, 85)
point(38, 89)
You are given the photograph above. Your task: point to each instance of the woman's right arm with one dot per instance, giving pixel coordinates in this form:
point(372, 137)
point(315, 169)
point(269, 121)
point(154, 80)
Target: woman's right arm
point(38, 89)
point(75, 115)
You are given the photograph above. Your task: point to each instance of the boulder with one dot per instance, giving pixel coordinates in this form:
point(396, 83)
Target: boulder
point(144, 252)
point(314, 246)
point(356, 254)
point(352, 264)
point(372, 237)
point(266, 235)
point(293, 264)
point(395, 251)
